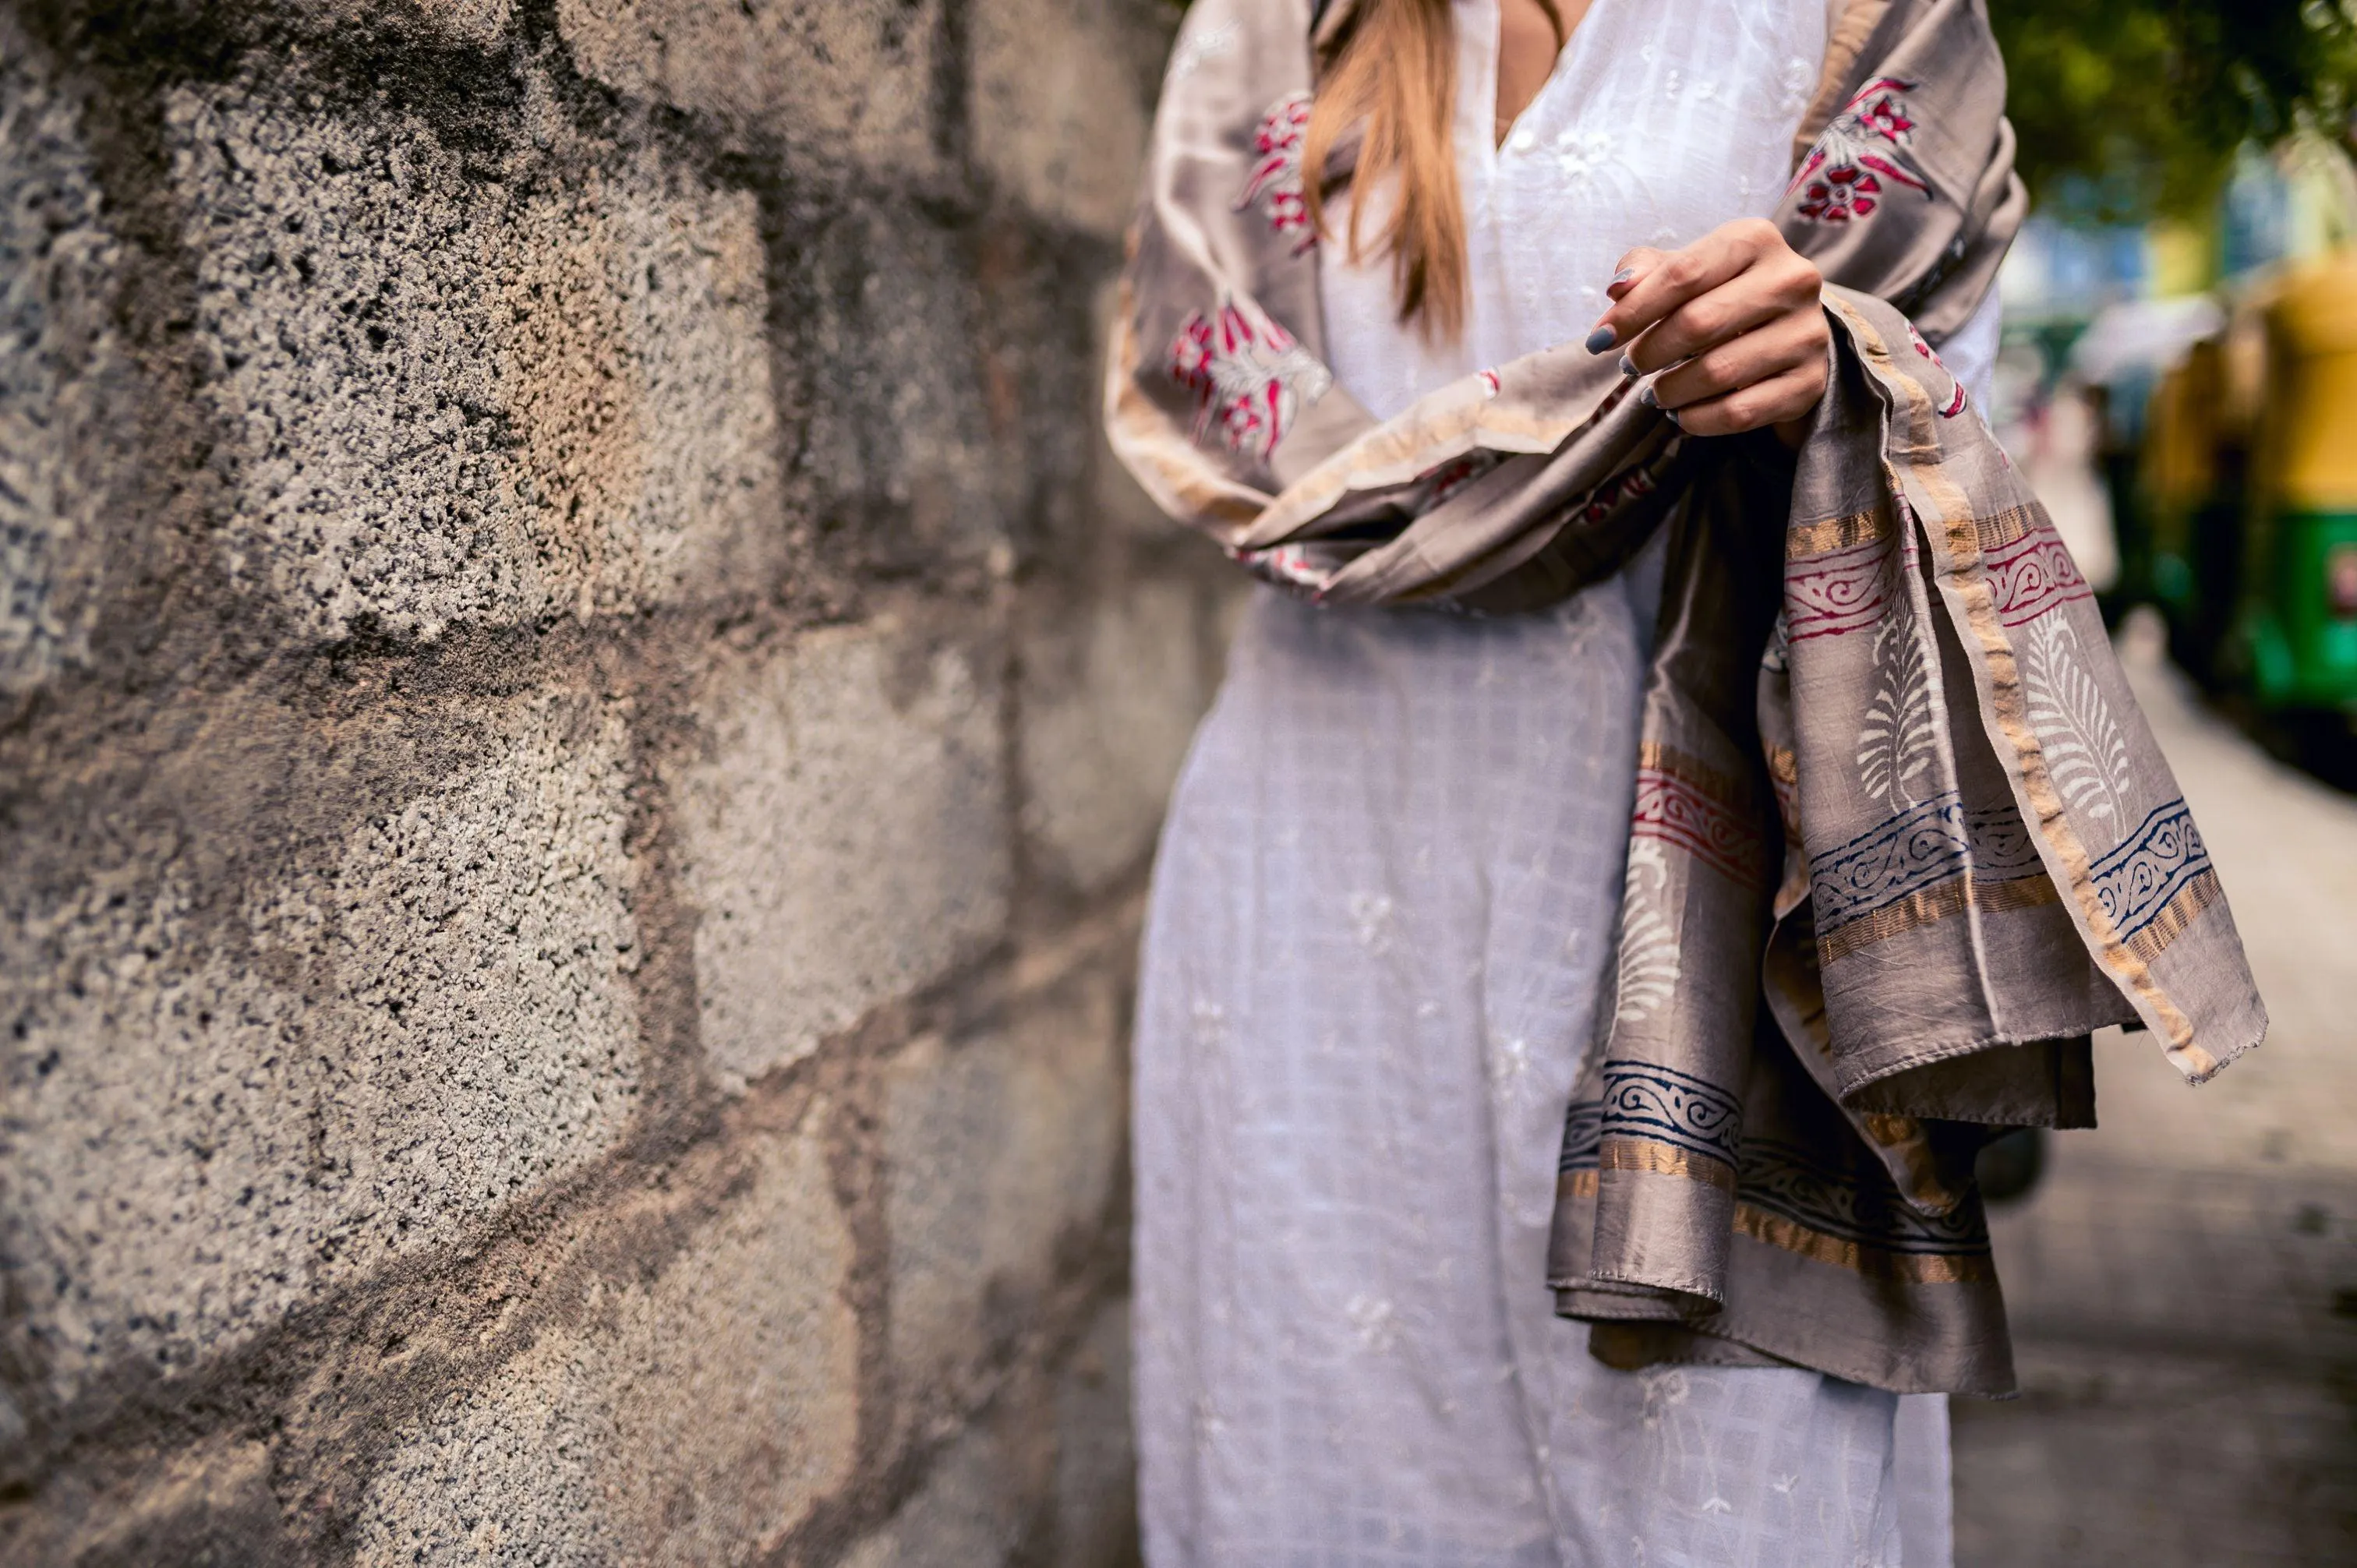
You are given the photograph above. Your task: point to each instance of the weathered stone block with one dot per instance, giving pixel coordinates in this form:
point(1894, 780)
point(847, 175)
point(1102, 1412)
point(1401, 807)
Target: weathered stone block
point(476, 21)
point(1109, 707)
point(1096, 1449)
point(849, 81)
point(451, 398)
point(995, 1149)
point(845, 834)
point(232, 1087)
point(896, 431)
point(64, 408)
point(969, 1513)
point(693, 1418)
point(1061, 107)
point(479, 23)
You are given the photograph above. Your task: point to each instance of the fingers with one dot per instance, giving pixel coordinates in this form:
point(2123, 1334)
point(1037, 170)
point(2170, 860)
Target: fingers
point(1631, 267)
point(1787, 395)
point(1777, 286)
point(1653, 292)
point(1783, 341)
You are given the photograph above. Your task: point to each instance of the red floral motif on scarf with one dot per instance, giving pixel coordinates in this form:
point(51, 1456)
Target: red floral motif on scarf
point(1955, 405)
point(1276, 171)
point(1251, 378)
point(1841, 178)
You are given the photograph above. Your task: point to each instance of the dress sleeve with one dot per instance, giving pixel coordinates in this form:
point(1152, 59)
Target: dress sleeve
point(1970, 352)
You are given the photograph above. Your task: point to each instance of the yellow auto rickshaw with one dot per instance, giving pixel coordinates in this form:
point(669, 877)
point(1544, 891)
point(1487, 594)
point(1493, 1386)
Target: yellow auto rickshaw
point(2293, 642)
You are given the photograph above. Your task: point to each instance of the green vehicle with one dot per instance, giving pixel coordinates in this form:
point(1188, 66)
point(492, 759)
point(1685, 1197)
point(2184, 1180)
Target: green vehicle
point(2292, 648)
point(2242, 526)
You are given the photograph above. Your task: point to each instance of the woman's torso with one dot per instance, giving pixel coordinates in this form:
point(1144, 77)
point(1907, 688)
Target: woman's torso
point(1659, 124)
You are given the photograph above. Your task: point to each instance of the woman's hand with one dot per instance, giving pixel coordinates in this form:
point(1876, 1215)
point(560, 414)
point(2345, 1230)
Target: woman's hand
point(1733, 323)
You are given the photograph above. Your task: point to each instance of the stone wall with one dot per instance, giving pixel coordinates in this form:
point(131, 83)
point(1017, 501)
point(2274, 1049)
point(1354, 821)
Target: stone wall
point(582, 714)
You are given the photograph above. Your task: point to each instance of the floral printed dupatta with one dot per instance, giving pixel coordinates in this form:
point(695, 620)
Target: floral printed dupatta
point(1901, 840)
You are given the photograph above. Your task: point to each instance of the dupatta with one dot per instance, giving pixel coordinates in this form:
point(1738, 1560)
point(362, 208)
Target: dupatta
point(1902, 838)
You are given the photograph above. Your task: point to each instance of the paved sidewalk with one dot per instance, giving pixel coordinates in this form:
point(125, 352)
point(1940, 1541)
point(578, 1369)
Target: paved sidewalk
point(2184, 1283)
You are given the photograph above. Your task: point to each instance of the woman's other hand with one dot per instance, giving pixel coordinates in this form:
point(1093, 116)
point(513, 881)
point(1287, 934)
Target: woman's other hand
point(1734, 324)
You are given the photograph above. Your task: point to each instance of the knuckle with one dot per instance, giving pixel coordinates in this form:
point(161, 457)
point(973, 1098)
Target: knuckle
point(1681, 271)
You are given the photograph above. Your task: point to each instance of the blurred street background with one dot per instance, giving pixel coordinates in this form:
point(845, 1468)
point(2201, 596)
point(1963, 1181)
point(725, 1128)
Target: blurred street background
point(2179, 382)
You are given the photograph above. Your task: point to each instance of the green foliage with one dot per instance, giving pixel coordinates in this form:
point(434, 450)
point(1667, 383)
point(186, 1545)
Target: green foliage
point(2128, 108)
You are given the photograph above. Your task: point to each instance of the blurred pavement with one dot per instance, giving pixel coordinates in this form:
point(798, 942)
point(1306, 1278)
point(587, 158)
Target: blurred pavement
point(2183, 1283)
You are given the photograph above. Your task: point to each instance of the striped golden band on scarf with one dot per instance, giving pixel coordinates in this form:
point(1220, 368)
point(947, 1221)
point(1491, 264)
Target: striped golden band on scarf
point(1837, 534)
point(1663, 1159)
point(2179, 912)
point(1917, 1172)
point(1933, 904)
point(1876, 1263)
point(1691, 770)
point(1995, 531)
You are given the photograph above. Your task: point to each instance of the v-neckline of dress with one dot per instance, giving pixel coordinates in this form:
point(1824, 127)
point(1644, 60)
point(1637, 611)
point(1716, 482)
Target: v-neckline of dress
point(1564, 56)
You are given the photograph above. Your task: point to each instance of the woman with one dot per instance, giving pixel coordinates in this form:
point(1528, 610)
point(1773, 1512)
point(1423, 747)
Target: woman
point(1392, 877)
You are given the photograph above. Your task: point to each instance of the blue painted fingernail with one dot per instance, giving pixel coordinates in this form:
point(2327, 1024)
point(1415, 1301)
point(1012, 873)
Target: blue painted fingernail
point(1629, 368)
point(1623, 275)
point(1672, 415)
point(1603, 338)
point(1649, 399)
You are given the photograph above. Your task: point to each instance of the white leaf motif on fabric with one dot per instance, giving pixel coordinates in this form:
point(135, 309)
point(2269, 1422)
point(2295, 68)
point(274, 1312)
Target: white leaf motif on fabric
point(1650, 959)
point(2086, 751)
point(1897, 743)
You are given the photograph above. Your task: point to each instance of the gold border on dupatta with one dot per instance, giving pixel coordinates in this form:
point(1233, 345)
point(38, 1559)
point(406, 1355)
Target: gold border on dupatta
point(1931, 905)
point(1875, 1262)
point(2198, 893)
point(1645, 1155)
point(1776, 1230)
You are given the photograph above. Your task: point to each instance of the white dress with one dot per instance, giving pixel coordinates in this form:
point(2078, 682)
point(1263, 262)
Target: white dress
point(1377, 931)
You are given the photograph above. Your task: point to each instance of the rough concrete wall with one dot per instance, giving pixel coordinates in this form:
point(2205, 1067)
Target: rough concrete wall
point(582, 712)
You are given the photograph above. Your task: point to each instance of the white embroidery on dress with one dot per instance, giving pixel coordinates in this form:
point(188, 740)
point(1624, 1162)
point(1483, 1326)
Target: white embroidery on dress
point(1579, 153)
point(1665, 1389)
point(1795, 87)
point(1376, 1322)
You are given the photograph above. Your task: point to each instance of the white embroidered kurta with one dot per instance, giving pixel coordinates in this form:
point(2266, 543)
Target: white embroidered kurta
point(1379, 925)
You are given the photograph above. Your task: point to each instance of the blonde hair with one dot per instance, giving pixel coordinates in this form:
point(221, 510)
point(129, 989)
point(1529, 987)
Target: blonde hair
point(1393, 78)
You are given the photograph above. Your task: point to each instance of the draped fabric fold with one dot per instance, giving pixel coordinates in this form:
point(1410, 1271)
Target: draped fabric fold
point(1902, 839)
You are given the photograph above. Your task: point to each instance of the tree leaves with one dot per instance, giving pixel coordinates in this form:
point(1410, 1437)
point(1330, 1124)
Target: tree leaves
point(2125, 108)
